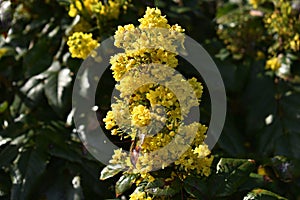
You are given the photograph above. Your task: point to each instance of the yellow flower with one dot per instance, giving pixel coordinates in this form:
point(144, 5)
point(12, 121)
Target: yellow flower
point(111, 9)
point(202, 151)
point(119, 157)
point(260, 55)
point(81, 44)
point(138, 196)
point(148, 176)
point(295, 43)
point(109, 120)
point(153, 19)
point(114, 131)
point(197, 86)
point(72, 11)
point(141, 116)
point(254, 3)
point(177, 28)
point(4, 51)
point(76, 6)
point(204, 168)
point(117, 154)
point(273, 63)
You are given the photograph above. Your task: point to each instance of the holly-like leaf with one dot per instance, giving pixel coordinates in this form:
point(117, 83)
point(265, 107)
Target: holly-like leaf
point(33, 88)
point(39, 57)
point(8, 154)
point(56, 84)
point(231, 139)
point(159, 188)
point(110, 171)
point(231, 165)
point(235, 172)
point(262, 194)
point(29, 168)
point(166, 191)
point(124, 183)
point(196, 187)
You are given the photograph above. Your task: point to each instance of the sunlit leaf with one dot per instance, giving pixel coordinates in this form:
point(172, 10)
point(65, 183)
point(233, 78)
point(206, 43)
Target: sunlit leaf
point(263, 194)
point(124, 183)
point(110, 171)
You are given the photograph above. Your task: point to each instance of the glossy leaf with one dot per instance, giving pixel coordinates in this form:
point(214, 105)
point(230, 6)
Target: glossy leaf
point(56, 84)
point(263, 194)
point(110, 171)
point(124, 183)
point(196, 187)
point(29, 168)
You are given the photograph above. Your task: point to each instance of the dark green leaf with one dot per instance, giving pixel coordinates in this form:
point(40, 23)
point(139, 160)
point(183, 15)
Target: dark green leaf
point(5, 184)
point(288, 145)
point(159, 188)
point(33, 88)
point(226, 9)
point(166, 191)
point(39, 57)
point(231, 139)
point(8, 154)
point(55, 85)
point(124, 183)
point(267, 138)
point(29, 168)
point(260, 93)
point(196, 187)
point(235, 173)
point(3, 106)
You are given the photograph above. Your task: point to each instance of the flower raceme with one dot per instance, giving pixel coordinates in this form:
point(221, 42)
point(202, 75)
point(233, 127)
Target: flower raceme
point(91, 15)
point(110, 9)
point(81, 44)
point(277, 27)
point(150, 51)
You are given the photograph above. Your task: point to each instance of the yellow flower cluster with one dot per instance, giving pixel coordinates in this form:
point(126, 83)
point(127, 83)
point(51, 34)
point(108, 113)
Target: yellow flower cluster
point(3, 51)
point(81, 44)
point(197, 86)
point(280, 21)
point(195, 157)
point(152, 48)
point(109, 120)
point(273, 63)
point(202, 150)
point(119, 156)
point(283, 25)
point(277, 28)
point(138, 195)
point(158, 141)
point(76, 6)
point(190, 161)
point(123, 62)
point(153, 19)
point(295, 43)
point(236, 30)
point(140, 116)
point(110, 10)
point(254, 3)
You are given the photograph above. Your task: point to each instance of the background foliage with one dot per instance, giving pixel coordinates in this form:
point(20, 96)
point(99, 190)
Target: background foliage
point(258, 154)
